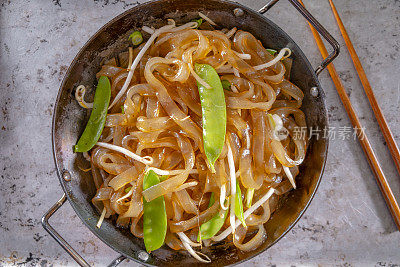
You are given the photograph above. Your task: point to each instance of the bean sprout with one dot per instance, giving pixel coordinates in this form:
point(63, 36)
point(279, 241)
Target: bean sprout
point(232, 176)
point(126, 195)
point(148, 29)
point(194, 253)
point(101, 219)
point(230, 33)
point(186, 239)
point(80, 97)
point(246, 214)
point(242, 56)
point(222, 197)
point(289, 175)
point(207, 19)
point(147, 160)
point(280, 56)
point(236, 72)
point(137, 60)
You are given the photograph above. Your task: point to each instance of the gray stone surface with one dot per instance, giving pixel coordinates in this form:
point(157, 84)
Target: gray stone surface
point(346, 224)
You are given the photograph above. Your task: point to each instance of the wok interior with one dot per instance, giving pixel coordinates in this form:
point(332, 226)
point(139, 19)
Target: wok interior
point(70, 120)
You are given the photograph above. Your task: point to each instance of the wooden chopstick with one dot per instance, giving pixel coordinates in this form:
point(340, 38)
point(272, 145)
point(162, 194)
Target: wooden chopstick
point(365, 144)
point(394, 150)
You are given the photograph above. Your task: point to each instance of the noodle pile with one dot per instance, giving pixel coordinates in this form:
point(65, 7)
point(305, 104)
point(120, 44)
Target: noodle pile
point(155, 122)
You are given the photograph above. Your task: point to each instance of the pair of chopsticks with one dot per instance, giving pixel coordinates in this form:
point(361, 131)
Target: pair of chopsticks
point(372, 159)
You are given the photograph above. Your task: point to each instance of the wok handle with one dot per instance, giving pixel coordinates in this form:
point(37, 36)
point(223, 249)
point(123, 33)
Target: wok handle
point(321, 30)
point(64, 244)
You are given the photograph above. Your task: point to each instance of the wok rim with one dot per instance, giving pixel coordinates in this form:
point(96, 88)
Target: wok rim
point(141, 6)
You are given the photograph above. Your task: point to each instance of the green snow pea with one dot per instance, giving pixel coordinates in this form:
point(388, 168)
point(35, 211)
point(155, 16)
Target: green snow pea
point(213, 109)
point(97, 118)
point(154, 216)
point(211, 227)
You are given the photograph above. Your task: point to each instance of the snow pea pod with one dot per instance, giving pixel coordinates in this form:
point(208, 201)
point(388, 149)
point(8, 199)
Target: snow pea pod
point(239, 205)
point(154, 216)
point(211, 227)
point(97, 118)
point(213, 110)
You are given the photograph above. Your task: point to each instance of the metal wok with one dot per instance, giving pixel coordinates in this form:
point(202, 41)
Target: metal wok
point(69, 121)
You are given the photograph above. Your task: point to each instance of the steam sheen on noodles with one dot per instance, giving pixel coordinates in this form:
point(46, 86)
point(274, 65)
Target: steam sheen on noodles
point(155, 123)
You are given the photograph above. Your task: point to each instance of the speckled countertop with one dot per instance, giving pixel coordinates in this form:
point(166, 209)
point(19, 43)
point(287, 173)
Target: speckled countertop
point(347, 223)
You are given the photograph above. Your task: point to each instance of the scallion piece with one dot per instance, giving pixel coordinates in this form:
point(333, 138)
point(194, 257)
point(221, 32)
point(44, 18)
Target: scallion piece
point(226, 85)
point(128, 189)
point(136, 38)
point(199, 22)
point(272, 51)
